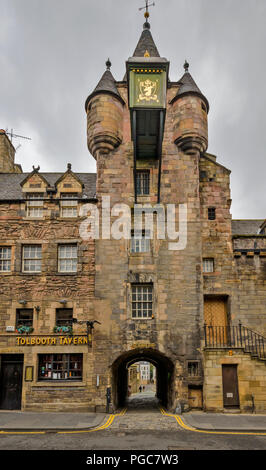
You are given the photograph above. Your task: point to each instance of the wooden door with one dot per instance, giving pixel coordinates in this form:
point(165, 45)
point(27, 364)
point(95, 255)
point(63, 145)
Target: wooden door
point(11, 382)
point(195, 399)
point(230, 386)
point(215, 318)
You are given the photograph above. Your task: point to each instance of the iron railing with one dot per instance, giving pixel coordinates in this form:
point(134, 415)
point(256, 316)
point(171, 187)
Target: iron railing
point(238, 336)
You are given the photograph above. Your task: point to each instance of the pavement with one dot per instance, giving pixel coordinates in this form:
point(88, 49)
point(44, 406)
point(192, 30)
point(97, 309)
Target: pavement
point(225, 421)
point(30, 421)
point(142, 412)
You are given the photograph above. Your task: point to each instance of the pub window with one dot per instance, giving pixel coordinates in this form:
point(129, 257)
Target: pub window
point(64, 317)
point(60, 367)
point(211, 213)
point(35, 205)
point(193, 369)
point(5, 259)
point(140, 241)
point(69, 205)
point(143, 182)
point(142, 301)
point(208, 265)
point(67, 258)
point(24, 317)
point(32, 259)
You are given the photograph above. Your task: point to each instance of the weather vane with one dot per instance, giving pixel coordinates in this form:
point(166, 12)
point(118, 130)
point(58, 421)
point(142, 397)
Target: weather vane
point(146, 14)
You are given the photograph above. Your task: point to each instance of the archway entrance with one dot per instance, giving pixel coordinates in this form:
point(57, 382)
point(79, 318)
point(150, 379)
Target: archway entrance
point(164, 388)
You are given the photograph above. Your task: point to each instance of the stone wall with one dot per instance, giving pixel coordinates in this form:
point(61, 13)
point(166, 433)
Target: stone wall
point(251, 380)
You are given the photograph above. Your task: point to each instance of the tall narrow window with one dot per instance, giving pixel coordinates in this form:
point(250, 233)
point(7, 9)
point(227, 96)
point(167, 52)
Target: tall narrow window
point(142, 301)
point(67, 258)
point(69, 205)
point(32, 259)
point(208, 265)
point(143, 182)
point(5, 259)
point(35, 205)
point(211, 213)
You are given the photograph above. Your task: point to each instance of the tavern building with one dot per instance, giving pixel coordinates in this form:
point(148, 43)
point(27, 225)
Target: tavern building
point(76, 313)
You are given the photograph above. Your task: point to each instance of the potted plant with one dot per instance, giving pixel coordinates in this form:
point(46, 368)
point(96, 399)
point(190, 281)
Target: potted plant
point(24, 330)
point(65, 330)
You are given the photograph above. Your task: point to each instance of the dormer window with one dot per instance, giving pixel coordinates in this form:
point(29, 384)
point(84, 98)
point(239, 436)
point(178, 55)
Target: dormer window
point(69, 205)
point(35, 205)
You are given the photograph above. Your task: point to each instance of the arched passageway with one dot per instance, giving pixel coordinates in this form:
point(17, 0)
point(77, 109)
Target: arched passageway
point(164, 376)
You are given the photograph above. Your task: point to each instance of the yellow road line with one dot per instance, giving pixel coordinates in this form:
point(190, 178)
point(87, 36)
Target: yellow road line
point(189, 428)
point(98, 428)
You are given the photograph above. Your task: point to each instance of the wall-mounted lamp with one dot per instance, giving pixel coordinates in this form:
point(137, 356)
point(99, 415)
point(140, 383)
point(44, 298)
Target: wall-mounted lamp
point(63, 301)
point(23, 302)
point(37, 308)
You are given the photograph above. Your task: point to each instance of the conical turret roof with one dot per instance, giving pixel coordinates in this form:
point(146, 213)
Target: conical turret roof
point(189, 87)
point(146, 43)
point(107, 84)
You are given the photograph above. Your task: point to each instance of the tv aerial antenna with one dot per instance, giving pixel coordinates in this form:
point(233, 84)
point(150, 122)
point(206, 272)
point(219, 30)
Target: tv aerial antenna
point(16, 136)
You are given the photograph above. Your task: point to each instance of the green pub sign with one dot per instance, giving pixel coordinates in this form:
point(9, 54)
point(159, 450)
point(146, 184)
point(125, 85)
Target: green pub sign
point(147, 87)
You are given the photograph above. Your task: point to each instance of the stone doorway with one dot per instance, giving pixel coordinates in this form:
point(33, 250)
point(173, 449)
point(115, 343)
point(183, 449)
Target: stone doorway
point(162, 391)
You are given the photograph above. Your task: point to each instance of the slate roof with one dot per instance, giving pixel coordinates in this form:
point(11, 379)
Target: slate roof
point(246, 227)
point(10, 188)
point(146, 43)
point(189, 86)
point(107, 84)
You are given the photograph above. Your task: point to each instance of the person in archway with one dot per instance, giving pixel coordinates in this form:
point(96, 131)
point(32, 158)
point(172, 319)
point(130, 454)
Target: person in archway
point(143, 388)
point(140, 388)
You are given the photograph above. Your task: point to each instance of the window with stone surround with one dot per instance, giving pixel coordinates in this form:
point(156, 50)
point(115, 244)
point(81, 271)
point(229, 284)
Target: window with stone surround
point(193, 368)
point(211, 213)
point(142, 301)
point(208, 265)
point(143, 182)
point(69, 205)
point(67, 258)
point(5, 259)
point(32, 259)
point(24, 317)
point(64, 317)
point(60, 367)
point(35, 205)
point(140, 241)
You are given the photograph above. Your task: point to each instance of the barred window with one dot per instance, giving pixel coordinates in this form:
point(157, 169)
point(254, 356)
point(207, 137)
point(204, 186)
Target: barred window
point(140, 241)
point(5, 259)
point(32, 259)
point(143, 182)
point(142, 300)
point(60, 367)
point(24, 317)
point(67, 258)
point(208, 265)
point(69, 207)
point(193, 369)
point(35, 205)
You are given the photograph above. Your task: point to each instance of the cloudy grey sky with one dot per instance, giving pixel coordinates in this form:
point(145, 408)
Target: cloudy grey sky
point(53, 53)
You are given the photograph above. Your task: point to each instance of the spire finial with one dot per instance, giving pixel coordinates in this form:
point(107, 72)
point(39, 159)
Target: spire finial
point(147, 14)
point(186, 66)
point(108, 64)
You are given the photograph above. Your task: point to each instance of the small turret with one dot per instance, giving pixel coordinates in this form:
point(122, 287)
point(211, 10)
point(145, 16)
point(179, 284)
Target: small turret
point(190, 116)
point(104, 108)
